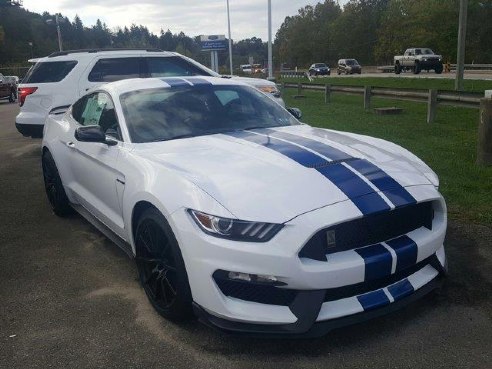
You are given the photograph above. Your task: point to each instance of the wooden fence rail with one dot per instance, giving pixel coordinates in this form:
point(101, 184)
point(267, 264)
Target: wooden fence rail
point(433, 98)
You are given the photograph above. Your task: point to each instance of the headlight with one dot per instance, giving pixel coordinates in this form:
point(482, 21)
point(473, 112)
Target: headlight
point(270, 90)
point(234, 229)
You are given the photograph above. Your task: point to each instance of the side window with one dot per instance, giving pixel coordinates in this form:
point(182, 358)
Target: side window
point(172, 66)
point(97, 109)
point(46, 72)
point(115, 69)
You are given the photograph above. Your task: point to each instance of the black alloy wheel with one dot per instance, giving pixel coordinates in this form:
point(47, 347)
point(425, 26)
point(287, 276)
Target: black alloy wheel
point(54, 187)
point(161, 268)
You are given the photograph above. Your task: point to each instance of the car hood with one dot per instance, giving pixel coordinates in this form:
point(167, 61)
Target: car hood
point(259, 175)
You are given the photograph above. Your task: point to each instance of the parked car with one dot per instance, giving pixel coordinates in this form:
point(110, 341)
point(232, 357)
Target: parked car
point(348, 66)
point(319, 69)
point(418, 59)
point(8, 88)
point(236, 211)
point(61, 78)
point(246, 68)
point(257, 68)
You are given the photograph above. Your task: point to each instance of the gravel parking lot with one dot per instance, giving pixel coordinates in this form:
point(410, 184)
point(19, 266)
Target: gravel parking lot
point(70, 298)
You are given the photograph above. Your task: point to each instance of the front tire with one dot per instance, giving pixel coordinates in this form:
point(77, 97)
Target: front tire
point(54, 187)
point(438, 69)
point(161, 268)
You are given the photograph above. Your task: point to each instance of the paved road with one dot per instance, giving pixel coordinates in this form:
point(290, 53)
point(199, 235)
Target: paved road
point(487, 75)
point(70, 299)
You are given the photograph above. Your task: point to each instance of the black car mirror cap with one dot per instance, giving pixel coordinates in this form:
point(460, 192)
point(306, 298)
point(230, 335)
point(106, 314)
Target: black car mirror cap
point(296, 112)
point(93, 134)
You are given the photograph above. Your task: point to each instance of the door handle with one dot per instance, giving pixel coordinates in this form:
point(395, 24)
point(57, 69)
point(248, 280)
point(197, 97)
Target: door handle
point(70, 145)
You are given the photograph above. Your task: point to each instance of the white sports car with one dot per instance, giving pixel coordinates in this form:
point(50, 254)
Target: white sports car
point(237, 212)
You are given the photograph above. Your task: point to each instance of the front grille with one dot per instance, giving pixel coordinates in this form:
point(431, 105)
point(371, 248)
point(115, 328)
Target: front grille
point(369, 230)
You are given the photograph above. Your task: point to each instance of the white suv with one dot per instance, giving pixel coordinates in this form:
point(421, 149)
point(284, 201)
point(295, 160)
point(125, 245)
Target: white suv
point(58, 80)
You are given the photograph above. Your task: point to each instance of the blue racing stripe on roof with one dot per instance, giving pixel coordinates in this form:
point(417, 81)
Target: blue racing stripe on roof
point(406, 252)
point(401, 289)
point(395, 192)
point(320, 147)
point(198, 81)
point(377, 261)
point(373, 300)
point(175, 82)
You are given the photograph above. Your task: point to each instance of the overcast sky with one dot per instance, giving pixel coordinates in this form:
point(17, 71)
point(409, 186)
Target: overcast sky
point(193, 17)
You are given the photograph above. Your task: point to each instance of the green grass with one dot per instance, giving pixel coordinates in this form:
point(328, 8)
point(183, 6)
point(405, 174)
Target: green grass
point(399, 82)
point(448, 146)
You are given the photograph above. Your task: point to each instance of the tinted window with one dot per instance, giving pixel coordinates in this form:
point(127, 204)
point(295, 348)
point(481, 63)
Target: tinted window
point(172, 66)
point(97, 109)
point(45, 72)
point(110, 70)
point(170, 113)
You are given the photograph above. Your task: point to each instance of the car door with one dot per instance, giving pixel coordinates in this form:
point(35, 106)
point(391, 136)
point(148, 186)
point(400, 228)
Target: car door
point(96, 180)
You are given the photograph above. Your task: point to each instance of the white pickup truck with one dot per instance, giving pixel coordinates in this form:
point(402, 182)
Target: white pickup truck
point(418, 59)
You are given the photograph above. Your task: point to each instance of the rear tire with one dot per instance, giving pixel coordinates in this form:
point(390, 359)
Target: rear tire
point(161, 268)
point(54, 187)
point(397, 68)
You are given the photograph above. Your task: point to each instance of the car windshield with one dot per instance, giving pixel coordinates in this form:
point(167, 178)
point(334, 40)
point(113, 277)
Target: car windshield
point(320, 65)
point(186, 111)
point(427, 52)
point(352, 62)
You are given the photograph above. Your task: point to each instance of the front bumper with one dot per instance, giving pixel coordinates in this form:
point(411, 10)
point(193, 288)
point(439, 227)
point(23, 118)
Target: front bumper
point(322, 294)
point(308, 316)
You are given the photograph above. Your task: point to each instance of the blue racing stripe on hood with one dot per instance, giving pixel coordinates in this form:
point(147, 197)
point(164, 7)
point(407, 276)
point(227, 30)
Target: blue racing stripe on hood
point(358, 191)
point(321, 148)
point(394, 191)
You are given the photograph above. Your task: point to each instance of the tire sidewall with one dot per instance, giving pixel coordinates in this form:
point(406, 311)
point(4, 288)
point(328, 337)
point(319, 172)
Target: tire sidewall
point(181, 308)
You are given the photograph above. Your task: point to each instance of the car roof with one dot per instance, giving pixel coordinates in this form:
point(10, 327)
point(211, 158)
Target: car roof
point(135, 84)
point(91, 53)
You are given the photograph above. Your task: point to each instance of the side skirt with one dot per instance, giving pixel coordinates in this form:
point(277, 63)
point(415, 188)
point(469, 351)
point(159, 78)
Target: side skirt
point(101, 227)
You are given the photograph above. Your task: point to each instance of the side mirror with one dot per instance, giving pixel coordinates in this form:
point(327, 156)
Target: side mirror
point(93, 134)
point(297, 113)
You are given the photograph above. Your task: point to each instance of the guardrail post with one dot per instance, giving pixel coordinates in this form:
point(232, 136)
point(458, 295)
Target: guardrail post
point(432, 106)
point(327, 93)
point(367, 97)
point(484, 156)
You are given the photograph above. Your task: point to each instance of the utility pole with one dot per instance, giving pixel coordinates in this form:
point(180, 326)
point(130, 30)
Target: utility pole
point(270, 53)
point(460, 65)
point(58, 20)
point(230, 40)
